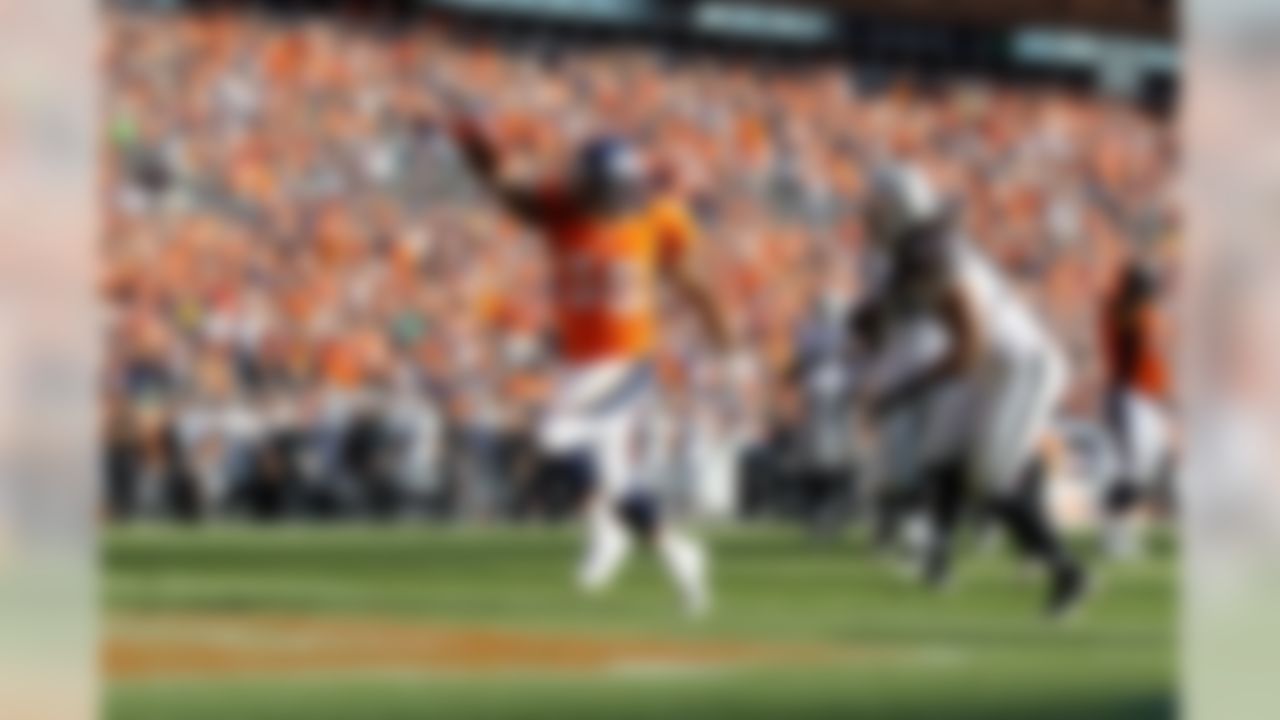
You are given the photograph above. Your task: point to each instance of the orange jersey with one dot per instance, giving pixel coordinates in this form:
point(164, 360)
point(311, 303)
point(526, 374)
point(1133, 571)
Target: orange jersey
point(605, 276)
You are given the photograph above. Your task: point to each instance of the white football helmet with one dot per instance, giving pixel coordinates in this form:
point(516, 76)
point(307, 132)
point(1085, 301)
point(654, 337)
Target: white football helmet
point(901, 198)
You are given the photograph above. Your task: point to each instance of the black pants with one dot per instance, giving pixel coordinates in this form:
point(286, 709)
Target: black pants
point(1020, 511)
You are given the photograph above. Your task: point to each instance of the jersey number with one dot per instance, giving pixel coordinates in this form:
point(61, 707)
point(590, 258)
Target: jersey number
point(590, 282)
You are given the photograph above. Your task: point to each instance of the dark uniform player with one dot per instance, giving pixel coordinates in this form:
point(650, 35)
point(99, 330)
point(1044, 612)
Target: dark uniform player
point(1136, 390)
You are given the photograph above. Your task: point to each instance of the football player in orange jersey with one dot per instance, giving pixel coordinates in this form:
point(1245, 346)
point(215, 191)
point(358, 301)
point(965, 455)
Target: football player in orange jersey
point(1136, 391)
point(614, 242)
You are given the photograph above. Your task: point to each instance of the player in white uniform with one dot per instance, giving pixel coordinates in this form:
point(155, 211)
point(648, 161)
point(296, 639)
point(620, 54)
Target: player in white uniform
point(1006, 372)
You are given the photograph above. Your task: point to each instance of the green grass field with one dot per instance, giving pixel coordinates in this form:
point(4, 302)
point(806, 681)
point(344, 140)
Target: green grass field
point(885, 648)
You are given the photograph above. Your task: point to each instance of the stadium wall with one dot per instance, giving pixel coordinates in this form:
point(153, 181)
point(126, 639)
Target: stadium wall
point(1088, 51)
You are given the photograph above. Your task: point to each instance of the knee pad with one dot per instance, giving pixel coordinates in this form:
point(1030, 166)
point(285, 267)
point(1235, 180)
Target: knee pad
point(640, 513)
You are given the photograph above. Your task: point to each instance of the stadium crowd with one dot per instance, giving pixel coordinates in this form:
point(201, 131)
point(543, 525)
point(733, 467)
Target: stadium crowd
point(311, 308)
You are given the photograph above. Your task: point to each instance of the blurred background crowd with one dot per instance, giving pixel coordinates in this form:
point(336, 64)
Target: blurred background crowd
point(313, 310)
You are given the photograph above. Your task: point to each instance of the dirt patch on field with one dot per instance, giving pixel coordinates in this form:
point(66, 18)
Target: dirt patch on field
point(159, 646)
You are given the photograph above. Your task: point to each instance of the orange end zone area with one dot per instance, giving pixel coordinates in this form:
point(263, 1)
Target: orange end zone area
point(172, 646)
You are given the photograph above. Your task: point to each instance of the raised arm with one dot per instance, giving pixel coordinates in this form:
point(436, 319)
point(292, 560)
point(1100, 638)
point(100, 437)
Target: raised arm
point(694, 290)
point(687, 277)
point(529, 202)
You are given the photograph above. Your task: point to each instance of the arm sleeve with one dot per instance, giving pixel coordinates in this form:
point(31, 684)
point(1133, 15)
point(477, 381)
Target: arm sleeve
point(545, 203)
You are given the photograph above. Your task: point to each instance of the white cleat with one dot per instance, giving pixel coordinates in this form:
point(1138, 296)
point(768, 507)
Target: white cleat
point(688, 566)
point(697, 603)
